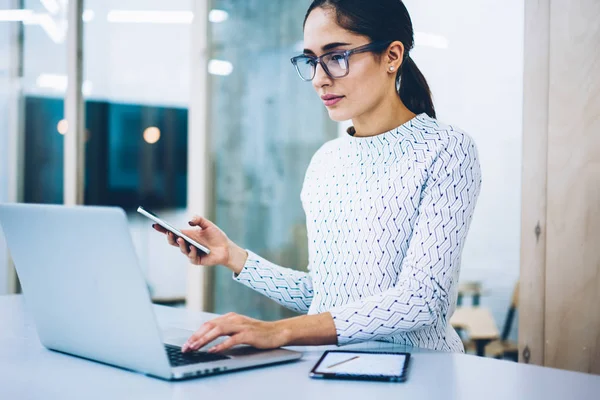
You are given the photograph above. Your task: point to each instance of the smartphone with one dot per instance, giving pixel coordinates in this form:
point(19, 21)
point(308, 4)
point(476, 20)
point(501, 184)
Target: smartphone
point(362, 365)
point(171, 229)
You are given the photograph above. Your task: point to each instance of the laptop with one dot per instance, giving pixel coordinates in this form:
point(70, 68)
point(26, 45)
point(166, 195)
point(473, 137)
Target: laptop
point(85, 290)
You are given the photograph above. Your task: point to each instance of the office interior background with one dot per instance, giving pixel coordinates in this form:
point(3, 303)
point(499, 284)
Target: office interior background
point(263, 125)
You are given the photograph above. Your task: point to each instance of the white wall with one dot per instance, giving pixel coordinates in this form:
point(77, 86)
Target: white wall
point(478, 86)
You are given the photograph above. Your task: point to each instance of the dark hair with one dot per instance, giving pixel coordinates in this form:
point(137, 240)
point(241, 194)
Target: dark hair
point(385, 20)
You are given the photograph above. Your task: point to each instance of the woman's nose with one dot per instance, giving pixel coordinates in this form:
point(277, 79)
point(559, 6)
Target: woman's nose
point(321, 78)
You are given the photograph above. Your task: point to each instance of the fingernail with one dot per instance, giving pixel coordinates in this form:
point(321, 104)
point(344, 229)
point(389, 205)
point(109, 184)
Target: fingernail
point(212, 350)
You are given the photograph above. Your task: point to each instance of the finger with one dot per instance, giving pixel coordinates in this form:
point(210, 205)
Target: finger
point(227, 344)
point(192, 232)
point(204, 329)
point(222, 328)
point(211, 335)
point(200, 221)
point(193, 254)
point(208, 326)
point(159, 228)
point(171, 239)
point(183, 246)
point(223, 320)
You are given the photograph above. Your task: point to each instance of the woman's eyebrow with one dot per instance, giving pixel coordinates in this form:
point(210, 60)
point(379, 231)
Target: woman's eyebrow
point(327, 47)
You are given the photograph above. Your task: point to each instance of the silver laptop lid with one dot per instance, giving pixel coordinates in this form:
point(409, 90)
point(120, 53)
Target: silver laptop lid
point(83, 285)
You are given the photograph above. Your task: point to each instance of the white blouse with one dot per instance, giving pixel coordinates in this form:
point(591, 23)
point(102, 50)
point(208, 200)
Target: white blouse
point(387, 219)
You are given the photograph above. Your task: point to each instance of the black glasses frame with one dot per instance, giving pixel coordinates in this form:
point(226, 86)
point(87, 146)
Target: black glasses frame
point(374, 47)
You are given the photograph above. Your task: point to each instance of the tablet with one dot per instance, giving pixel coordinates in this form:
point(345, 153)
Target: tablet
point(171, 229)
point(362, 365)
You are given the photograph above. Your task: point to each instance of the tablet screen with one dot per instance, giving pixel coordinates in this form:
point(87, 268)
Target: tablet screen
point(350, 363)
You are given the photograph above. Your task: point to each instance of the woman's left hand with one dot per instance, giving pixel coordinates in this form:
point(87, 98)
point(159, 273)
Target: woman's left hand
point(241, 329)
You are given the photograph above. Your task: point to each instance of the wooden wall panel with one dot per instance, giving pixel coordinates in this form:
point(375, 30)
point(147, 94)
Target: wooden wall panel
point(533, 192)
point(572, 322)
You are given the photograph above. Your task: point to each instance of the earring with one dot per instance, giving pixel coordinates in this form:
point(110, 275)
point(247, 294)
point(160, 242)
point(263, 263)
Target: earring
point(391, 68)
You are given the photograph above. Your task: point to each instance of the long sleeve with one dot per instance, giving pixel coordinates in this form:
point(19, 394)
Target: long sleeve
point(290, 288)
point(424, 290)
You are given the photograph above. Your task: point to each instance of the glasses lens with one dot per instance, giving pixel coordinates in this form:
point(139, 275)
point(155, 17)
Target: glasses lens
point(337, 64)
point(305, 67)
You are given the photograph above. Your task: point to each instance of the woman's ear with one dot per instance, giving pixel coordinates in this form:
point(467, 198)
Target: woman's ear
point(395, 55)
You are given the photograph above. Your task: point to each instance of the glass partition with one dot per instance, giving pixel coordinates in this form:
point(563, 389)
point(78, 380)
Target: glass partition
point(266, 125)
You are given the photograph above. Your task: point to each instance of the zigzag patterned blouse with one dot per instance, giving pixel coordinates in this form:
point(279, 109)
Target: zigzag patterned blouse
point(387, 219)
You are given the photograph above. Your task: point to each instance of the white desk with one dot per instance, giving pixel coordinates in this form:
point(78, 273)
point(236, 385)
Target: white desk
point(29, 371)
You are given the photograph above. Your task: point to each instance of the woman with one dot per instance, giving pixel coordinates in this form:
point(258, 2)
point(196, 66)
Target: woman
point(388, 206)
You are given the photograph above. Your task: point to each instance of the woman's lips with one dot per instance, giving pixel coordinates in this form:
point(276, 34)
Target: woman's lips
point(331, 100)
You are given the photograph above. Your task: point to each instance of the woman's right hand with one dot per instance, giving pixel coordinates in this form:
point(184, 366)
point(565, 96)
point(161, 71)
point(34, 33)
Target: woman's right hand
point(222, 250)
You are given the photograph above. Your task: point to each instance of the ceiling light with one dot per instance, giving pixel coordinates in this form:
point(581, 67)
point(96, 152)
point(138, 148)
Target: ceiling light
point(51, 6)
point(151, 134)
point(88, 15)
point(15, 15)
point(62, 126)
point(217, 16)
point(220, 67)
point(55, 32)
point(59, 83)
point(150, 17)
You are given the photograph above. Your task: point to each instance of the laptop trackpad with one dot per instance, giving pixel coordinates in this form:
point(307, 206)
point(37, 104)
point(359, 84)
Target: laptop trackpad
point(178, 336)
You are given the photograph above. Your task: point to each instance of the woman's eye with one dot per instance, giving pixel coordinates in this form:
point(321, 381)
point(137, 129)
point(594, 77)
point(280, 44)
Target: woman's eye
point(337, 57)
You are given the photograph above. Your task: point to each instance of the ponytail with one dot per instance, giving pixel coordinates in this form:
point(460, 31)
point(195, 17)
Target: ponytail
point(414, 90)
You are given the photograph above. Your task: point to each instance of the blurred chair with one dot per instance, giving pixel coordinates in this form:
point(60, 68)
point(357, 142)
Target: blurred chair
point(504, 348)
point(479, 326)
point(472, 289)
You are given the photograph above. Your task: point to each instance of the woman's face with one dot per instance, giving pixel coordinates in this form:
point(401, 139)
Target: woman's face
point(366, 86)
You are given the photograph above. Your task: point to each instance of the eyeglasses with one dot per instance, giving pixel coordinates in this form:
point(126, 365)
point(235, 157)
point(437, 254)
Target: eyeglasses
point(335, 63)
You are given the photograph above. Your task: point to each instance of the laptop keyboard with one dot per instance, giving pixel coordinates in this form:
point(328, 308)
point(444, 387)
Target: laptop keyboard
point(178, 359)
